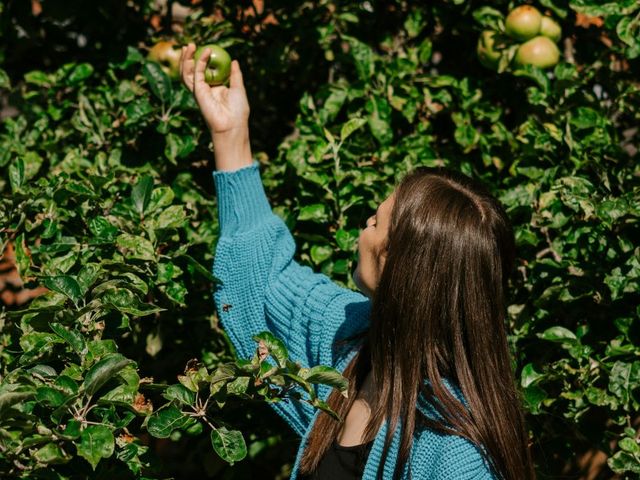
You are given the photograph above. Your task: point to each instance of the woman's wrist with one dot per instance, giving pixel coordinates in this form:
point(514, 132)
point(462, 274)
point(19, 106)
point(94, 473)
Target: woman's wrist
point(232, 149)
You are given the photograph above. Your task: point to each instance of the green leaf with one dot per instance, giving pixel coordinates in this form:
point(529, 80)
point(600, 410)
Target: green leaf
point(529, 376)
point(22, 259)
point(123, 394)
point(103, 371)
point(624, 462)
point(363, 57)
point(72, 430)
point(623, 379)
point(37, 77)
point(50, 396)
point(66, 384)
point(126, 301)
point(128, 90)
point(96, 443)
point(347, 239)
point(88, 275)
point(628, 30)
point(324, 406)
point(315, 212)
point(137, 111)
point(176, 291)
point(238, 386)
point(351, 126)
point(228, 444)
point(165, 421)
point(12, 394)
point(65, 284)
point(141, 193)
point(102, 228)
point(536, 74)
point(534, 395)
point(32, 164)
point(136, 247)
point(159, 82)
point(51, 453)
point(332, 104)
point(489, 17)
point(5, 81)
point(161, 196)
point(424, 55)
point(172, 217)
point(275, 346)
point(16, 174)
point(38, 341)
point(558, 334)
point(585, 117)
point(80, 73)
point(320, 253)
point(301, 381)
point(222, 374)
point(327, 376)
point(414, 23)
point(71, 336)
point(178, 146)
point(63, 263)
point(379, 119)
point(180, 394)
point(629, 445)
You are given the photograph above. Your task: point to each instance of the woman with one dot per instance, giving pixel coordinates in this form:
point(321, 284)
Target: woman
point(431, 390)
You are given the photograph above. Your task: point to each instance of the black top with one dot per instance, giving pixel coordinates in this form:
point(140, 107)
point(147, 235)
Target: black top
point(341, 463)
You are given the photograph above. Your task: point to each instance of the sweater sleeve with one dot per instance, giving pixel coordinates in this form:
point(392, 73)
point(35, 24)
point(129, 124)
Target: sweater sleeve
point(263, 288)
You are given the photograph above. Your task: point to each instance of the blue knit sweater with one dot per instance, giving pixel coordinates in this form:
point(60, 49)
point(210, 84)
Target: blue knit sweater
point(265, 289)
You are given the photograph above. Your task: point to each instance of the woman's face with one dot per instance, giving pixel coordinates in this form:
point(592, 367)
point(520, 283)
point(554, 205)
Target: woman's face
point(371, 248)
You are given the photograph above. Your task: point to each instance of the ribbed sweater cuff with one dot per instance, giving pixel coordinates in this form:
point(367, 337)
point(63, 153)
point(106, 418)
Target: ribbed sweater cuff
point(242, 202)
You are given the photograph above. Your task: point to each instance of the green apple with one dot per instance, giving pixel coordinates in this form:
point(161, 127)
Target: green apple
point(487, 56)
point(523, 22)
point(218, 67)
point(550, 28)
point(167, 56)
point(540, 51)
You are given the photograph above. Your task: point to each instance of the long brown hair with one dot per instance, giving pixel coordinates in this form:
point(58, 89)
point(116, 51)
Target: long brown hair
point(441, 297)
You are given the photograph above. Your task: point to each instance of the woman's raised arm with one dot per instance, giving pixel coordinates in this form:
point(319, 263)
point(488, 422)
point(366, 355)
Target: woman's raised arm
point(264, 288)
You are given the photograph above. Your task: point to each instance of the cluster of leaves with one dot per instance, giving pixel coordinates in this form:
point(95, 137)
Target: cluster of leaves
point(102, 211)
point(244, 378)
point(95, 223)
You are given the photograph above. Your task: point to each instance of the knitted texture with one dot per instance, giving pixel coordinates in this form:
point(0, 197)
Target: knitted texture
point(263, 288)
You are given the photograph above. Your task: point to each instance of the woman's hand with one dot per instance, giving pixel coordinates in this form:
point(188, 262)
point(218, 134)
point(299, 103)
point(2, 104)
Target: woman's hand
point(225, 109)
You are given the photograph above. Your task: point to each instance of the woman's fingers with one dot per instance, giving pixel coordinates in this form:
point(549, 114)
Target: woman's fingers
point(235, 80)
point(186, 66)
point(200, 87)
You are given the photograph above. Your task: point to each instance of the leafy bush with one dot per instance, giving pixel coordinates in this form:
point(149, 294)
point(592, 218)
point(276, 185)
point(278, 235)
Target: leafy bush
point(105, 211)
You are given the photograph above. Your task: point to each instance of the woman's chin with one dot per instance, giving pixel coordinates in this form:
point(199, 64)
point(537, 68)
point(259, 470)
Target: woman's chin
point(357, 281)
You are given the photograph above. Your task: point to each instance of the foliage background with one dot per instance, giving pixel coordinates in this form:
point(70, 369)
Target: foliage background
point(345, 97)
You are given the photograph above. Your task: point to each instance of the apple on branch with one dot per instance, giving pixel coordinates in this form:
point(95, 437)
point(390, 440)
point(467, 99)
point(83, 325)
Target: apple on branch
point(165, 53)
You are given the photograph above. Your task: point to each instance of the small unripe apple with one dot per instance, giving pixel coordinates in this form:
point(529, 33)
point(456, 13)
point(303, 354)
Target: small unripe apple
point(540, 51)
point(167, 56)
point(550, 28)
point(487, 56)
point(523, 22)
point(218, 67)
